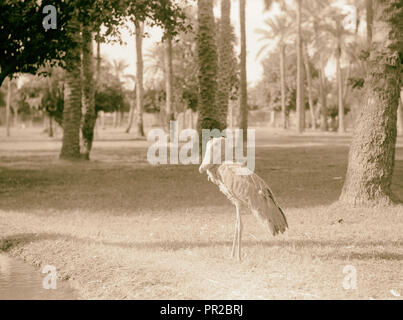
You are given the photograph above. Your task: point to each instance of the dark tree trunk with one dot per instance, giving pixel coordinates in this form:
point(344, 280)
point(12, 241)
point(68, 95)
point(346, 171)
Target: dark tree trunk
point(169, 100)
point(370, 17)
point(50, 126)
point(207, 56)
point(139, 25)
point(283, 86)
point(89, 115)
point(97, 80)
point(71, 115)
point(8, 107)
point(244, 85)
point(300, 73)
point(309, 81)
point(72, 102)
point(372, 153)
point(400, 113)
point(340, 93)
point(323, 98)
point(224, 61)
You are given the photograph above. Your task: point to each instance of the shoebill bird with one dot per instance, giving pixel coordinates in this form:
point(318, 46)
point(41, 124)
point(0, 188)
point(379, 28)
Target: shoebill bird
point(248, 192)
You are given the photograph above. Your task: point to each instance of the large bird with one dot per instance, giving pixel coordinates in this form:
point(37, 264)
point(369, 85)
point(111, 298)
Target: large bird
point(245, 191)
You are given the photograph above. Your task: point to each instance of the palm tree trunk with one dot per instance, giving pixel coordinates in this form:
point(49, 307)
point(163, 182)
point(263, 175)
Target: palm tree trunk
point(208, 117)
point(400, 113)
point(139, 26)
point(72, 102)
point(372, 152)
point(71, 114)
point(50, 126)
point(323, 94)
point(98, 77)
point(168, 79)
point(8, 106)
point(309, 81)
point(224, 61)
point(340, 91)
point(283, 85)
point(89, 115)
point(244, 93)
point(370, 17)
point(300, 75)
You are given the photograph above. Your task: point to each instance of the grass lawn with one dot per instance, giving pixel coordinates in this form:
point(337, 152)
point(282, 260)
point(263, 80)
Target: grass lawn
point(119, 228)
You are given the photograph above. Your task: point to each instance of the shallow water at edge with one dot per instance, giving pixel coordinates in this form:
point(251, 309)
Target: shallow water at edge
point(18, 280)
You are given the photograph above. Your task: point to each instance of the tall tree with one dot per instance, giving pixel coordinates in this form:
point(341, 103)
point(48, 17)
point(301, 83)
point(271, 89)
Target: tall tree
point(280, 27)
point(207, 57)
point(370, 18)
point(314, 11)
point(88, 92)
point(25, 45)
point(8, 106)
point(225, 52)
point(339, 33)
point(98, 60)
point(244, 85)
point(139, 31)
point(300, 73)
point(168, 75)
point(72, 98)
point(308, 73)
point(372, 152)
point(400, 113)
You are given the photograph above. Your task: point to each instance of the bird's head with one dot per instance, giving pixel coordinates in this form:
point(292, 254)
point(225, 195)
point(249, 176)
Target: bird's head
point(215, 153)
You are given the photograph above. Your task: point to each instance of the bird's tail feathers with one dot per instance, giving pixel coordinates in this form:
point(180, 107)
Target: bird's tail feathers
point(271, 216)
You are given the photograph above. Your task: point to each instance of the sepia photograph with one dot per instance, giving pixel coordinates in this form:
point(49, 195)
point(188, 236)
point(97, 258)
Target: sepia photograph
point(223, 152)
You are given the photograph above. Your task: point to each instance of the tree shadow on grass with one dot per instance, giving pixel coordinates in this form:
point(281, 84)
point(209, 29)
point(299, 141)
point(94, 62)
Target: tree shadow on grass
point(343, 252)
point(301, 177)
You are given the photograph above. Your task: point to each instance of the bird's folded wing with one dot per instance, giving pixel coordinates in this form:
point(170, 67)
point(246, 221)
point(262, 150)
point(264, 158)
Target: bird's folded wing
point(255, 194)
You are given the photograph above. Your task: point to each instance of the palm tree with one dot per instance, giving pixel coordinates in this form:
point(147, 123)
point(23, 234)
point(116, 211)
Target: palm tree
point(225, 52)
point(98, 60)
point(337, 31)
point(139, 30)
point(8, 103)
point(370, 16)
point(308, 73)
point(300, 72)
point(400, 113)
point(314, 11)
point(372, 152)
point(88, 88)
point(72, 99)
point(280, 28)
point(207, 58)
point(244, 93)
point(168, 70)
point(300, 101)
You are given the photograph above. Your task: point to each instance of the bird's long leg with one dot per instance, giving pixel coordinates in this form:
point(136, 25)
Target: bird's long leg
point(239, 233)
point(235, 236)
